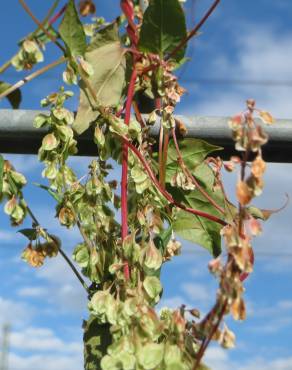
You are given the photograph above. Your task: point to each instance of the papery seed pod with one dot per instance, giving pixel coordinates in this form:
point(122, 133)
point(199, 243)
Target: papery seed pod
point(258, 167)
point(238, 310)
point(227, 338)
point(86, 7)
point(243, 193)
point(66, 217)
point(153, 257)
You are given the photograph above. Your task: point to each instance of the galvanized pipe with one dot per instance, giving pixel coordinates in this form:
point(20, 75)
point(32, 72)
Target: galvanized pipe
point(17, 135)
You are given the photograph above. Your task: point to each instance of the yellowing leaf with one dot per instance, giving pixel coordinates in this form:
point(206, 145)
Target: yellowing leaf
point(267, 117)
point(109, 66)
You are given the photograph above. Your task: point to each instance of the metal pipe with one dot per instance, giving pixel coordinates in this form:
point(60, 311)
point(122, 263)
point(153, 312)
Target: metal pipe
point(17, 135)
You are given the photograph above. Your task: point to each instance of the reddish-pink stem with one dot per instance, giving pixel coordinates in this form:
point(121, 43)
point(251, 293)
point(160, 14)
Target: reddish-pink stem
point(188, 174)
point(193, 32)
point(124, 183)
point(57, 15)
point(166, 195)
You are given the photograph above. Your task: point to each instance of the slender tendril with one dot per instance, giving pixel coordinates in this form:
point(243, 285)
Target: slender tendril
point(30, 77)
point(41, 26)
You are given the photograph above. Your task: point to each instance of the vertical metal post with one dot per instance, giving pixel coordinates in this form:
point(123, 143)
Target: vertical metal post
point(5, 347)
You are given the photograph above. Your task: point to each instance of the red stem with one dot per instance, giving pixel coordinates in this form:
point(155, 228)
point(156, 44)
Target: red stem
point(195, 29)
point(165, 193)
point(57, 16)
point(124, 183)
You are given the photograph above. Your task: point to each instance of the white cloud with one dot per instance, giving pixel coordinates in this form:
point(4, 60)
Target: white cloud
point(62, 286)
point(45, 362)
point(41, 340)
point(18, 313)
point(7, 236)
point(259, 53)
point(199, 294)
point(31, 291)
point(219, 359)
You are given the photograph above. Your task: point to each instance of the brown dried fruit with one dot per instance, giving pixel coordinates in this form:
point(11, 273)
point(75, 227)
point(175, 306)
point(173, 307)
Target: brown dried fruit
point(86, 7)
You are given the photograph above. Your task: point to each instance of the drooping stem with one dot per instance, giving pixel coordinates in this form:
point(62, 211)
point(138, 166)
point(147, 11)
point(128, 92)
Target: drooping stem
point(124, 181)
point(32, 76)
point(194, 31)
point(41, 26)
point(165, 194)
point(63, 254)
point(187, 173)
point(207, 341)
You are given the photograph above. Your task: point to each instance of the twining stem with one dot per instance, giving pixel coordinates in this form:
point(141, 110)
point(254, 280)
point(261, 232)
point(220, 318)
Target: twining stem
point(32, 76)
point(166, 195)
point(124, 182)
point(63, 254)
point(194, 31)
point(187, 173)
point(41, 26)
point(5, 66)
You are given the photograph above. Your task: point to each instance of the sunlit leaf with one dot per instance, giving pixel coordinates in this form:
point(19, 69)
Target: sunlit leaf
point(193, 152)
point(163, 28)
point(72, 32)
point(109, 66)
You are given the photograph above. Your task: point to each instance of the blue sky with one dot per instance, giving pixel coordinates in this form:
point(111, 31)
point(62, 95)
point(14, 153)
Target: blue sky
point(243, 41)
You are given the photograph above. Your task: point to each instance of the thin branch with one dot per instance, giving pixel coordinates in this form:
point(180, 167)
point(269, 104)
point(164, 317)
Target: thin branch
point(187, 172)
point(41, 26)
point(63, 254)
point(7, 64)
point(31, 77)
point(166, 195)
point(194, 31)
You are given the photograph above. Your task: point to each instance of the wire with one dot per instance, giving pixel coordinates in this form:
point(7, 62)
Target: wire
point(231, 81)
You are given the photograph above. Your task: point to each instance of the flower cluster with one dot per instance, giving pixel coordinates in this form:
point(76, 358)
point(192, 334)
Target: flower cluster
point(28, 55)
point(13, 182)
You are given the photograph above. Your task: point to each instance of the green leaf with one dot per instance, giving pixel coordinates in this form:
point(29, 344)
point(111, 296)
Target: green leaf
point(152, 286)
point(161, 240)
point(50, 191)
point(163, 28)
point(14, 97)
point(198, 229)
point(150, 355)
point(30, 234)
point(1, 173)
point(72, 32)
point(193, 152)
point(105, 36)
point(109, 66)
point(81, 255)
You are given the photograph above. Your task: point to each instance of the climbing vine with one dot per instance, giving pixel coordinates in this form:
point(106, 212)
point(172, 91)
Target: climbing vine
point(169, 188)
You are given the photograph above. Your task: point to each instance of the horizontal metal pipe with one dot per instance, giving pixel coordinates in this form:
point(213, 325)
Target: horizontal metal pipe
point(17, 135)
